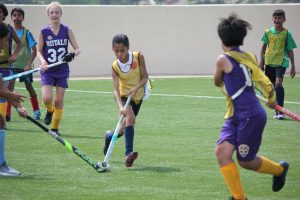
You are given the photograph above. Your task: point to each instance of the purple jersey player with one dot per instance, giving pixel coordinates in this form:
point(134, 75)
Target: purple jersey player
point(237, 73)
point(52, 48)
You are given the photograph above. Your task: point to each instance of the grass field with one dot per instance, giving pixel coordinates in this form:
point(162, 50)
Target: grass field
point(176, 133)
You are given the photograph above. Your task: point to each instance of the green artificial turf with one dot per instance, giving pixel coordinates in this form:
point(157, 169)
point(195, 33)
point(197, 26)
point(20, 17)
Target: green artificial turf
point(176, 132)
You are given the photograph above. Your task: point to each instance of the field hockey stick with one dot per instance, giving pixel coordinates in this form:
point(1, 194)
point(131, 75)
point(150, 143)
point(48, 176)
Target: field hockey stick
point(8, 78)
point(281, 109)
point(115, 136)
point(31, 71)
point(69, 146)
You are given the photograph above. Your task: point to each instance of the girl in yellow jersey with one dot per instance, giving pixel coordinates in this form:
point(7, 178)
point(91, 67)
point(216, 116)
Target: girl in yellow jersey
point(7, 57)
point(14, 98)
point(130, 77)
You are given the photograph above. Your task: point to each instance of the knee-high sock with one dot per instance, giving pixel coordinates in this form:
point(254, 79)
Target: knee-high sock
point(8, 109)
point(270, 167)
point(49, 107)
point(129, 137)
point(34, 103)
point(279, 95)
point(2, 146)
point(232, 178)
point(57, 115)
point(3, 107)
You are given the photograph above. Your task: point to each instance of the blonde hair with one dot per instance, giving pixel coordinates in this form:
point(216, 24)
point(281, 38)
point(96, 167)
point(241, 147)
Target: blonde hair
point(54, 4)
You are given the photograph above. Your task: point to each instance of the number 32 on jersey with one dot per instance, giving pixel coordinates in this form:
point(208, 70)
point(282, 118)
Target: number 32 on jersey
point(56, 56)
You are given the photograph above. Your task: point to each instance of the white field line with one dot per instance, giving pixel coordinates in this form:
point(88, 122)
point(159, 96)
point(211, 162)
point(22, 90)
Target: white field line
point(152, 77)
point(155, 94)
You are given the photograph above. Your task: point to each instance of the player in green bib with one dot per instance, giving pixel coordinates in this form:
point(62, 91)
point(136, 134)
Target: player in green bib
point(276, 53)
point(24, 61)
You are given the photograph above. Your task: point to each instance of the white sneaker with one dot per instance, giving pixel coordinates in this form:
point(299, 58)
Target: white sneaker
point(279, 116)
point(6, 170)
point(275, 116)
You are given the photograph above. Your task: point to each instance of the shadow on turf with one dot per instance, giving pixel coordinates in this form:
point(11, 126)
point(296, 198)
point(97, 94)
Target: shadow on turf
point(25, 177)
point(155, 169)
point(80, 136)
point(22, 130)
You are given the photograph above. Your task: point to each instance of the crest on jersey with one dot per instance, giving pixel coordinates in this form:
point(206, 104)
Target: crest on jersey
point(244, 150)
point(49, 37)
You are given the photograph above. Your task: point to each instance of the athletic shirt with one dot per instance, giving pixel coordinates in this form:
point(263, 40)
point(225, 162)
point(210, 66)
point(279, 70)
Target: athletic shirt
point(289, 45)
point(129, 76)
point(6, 52)
point(25, 52)
point(275, 52)
point(55, 48)
point(239, 87)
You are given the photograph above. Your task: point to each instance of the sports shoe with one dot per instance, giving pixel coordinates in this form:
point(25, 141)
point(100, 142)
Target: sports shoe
point(130, 158)
point(56, 131)
point(231, 198)
point(108, 135)
point(37, 115)
point(48, 118)
point(279, 116)
point(278, 181)
point(6, 170)
point(7, 118)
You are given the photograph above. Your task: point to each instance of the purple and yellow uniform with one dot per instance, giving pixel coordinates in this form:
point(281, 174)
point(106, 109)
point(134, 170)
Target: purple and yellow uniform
point(5, 53)
point(55, 48)
point(245, 117)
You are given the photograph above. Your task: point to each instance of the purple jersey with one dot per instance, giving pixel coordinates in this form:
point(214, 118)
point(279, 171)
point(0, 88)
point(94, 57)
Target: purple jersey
point(246, 104)
point(55, 48)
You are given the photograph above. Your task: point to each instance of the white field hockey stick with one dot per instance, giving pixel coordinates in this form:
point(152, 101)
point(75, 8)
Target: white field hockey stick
point(32, 71)
point(8, 78)
point(285, 111)
point(113, 141)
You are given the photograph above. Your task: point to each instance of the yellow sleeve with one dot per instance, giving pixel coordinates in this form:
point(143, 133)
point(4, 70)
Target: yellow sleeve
point(115, 67)
point(136, 54)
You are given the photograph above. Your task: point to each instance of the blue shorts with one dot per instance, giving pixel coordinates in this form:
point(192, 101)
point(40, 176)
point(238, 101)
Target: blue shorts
point(244, 134)
point(5, 72)
point(49, 79)
point(26, 79)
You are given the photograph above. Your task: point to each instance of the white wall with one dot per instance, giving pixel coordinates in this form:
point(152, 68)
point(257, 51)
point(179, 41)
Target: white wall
point(176, 40)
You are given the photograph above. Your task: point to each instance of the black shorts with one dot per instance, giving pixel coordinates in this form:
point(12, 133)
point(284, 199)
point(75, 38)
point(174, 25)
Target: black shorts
point(274, 72)
point(135, 107)
point(26, 79)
